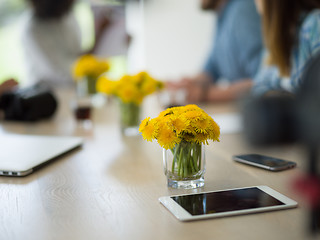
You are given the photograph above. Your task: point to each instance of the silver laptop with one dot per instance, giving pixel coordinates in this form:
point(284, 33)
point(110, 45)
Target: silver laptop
point(20, 155)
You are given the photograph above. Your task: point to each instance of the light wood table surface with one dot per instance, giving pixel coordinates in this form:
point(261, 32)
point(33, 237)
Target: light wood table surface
point(109, 188)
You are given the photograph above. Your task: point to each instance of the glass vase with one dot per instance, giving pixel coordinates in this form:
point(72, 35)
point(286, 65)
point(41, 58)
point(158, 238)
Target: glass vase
point(86, 86)
point(129, 118)
point(184, 165)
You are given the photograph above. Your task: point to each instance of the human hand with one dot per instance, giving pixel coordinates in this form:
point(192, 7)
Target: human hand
point(196, 92)
point(8, 85)
point(193, 89)
point(172, 95)
point(102, 18)
point(175, 85)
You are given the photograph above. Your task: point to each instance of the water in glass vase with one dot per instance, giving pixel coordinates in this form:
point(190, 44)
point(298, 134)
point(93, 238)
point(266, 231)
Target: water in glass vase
point(129, 118)
point(184, 165)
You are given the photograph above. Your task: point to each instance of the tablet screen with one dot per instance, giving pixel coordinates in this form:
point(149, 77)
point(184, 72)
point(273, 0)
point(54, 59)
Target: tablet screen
point(226, 201)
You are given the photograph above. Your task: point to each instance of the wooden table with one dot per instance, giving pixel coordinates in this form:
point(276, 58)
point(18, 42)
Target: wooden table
point(109, 189)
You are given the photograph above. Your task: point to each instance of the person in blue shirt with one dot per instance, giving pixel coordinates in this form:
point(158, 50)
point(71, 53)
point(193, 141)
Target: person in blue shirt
point(234, 58)
point(291, 30)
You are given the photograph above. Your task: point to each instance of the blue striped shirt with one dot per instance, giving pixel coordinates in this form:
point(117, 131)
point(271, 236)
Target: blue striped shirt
point(269, 78)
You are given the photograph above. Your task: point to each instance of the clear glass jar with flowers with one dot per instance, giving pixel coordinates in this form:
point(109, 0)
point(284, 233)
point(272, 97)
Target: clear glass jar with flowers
point(130, 90)
point(86, 71)
point(182, 132)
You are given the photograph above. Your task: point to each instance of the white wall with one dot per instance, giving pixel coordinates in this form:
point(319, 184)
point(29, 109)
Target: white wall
point(171, 38)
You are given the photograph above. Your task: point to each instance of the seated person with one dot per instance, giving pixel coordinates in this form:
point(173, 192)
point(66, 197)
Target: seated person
point(52, 41)
point(292, 36)
point(235, 56)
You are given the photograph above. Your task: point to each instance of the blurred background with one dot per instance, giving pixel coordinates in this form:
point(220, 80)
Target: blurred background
point(168, 38)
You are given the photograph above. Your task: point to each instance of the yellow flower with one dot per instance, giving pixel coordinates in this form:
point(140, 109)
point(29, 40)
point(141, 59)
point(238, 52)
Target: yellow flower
point(201, 138)
point(178, 124)
point(160, 85)
point(193, 115)
point(143, 124)
point(168, 111)
point(105, 85)
point(148, 130)
point(149, 87)
point(214, 132)
point(202, 125)
point(141, 77)
point(167, 138)
point(191, 107)
point(132, 88)
point(128, 93)
point(138, 98)
point(89, 66)
point(189, 123)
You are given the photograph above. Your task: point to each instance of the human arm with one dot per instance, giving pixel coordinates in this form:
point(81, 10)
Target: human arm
point(199, 79)
point(218, 93)
point(200, 88)
point(269, 79)
point(206, 91)
point(102, 17)
point(194, 86)
point(234, 91)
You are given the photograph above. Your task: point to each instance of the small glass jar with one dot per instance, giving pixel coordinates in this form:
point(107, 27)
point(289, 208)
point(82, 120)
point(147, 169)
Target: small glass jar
point(129, 118)
point(82, 109)
point(86, 86)
point(184, 165)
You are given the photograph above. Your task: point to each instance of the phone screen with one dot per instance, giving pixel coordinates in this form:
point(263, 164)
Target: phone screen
point(226, 201)
point(264, 160)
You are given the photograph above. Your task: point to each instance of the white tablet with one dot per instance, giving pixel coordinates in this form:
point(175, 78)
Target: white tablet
point(226, 203)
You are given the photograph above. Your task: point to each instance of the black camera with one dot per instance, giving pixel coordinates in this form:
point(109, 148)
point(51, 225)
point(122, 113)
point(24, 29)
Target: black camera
point(29, 104)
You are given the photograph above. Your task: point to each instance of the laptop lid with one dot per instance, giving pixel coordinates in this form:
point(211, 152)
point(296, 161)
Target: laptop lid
point(21, 154)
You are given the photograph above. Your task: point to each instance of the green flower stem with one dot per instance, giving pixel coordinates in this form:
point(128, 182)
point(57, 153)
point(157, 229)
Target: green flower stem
point(191, 159)
point(91, 85)
point(199, 152)
point(180, 159)
point(186, 161)
point(174, 152)
point(130, 114)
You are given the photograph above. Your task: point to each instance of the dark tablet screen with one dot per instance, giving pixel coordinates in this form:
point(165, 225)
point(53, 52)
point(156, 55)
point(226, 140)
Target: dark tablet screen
point(226, 201)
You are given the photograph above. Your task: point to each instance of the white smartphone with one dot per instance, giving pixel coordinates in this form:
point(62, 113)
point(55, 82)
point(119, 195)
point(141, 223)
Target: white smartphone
point(224, 203)
point(265, 162)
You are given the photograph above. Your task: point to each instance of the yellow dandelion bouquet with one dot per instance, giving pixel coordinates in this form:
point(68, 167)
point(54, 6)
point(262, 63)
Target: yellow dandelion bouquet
point(182, 132)
point(131, 90)
point(88, 68)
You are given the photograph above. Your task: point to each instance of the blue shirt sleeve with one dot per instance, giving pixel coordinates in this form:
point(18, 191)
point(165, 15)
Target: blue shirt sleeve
point(267, 79)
